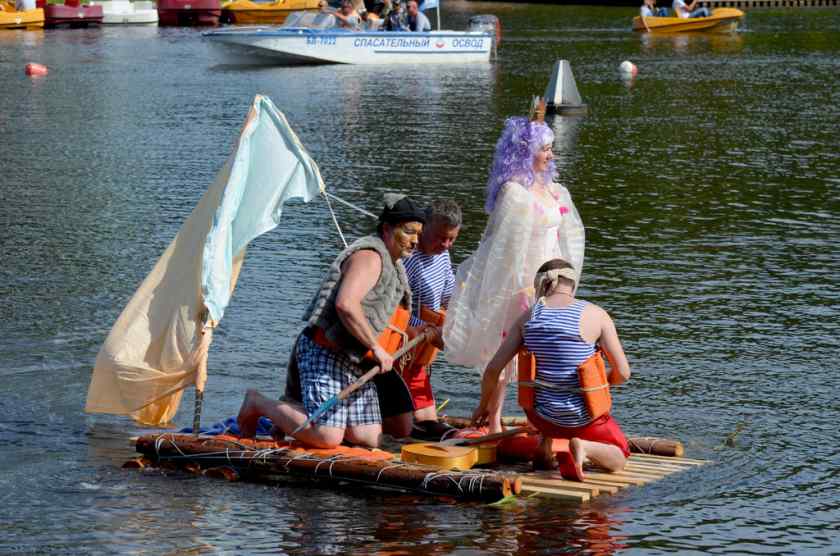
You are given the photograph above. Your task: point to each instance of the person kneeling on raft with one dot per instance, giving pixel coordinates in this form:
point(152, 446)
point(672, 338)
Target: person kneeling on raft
point(562, 333)
point(353, 306)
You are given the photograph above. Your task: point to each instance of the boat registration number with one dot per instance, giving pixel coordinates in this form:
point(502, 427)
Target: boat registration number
point(320, 40)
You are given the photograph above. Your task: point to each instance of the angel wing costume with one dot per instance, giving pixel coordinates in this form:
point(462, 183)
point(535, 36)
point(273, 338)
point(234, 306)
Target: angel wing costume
point(495, 284)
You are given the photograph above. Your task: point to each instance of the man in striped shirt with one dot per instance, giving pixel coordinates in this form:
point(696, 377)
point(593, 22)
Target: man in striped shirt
point(432, 280)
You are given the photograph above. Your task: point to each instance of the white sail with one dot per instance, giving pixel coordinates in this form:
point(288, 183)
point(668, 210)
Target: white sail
point(159, 344)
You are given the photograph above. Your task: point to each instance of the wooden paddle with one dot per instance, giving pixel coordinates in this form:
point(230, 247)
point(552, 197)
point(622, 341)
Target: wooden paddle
point(344, 394)
point(485, 438)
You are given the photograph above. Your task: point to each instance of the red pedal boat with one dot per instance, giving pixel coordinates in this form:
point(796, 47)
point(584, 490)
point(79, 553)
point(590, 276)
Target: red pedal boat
point(72, 14)
point(189, 12)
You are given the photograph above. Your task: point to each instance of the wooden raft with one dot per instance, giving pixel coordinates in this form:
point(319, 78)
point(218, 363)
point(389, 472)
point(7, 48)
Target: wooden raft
point(268, 461)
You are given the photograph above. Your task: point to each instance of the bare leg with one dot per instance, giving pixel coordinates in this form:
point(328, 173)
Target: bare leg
point(426, 414)
point(603, 455)
point(365, 435)
point(286, 417)
point(544, 459)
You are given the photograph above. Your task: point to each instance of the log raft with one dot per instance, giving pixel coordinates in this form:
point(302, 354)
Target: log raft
point(283, 462)
point(268, 462)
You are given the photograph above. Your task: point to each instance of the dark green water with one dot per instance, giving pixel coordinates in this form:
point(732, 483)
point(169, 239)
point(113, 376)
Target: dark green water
point(709, 187)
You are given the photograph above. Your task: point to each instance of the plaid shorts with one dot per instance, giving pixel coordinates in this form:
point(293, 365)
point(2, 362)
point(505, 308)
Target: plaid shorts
point(323, 374)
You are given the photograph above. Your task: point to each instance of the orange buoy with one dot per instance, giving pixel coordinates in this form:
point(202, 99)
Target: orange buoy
point(36, 69)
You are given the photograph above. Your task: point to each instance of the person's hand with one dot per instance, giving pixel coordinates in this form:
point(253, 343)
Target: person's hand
point(480, 417)
point(386, 362)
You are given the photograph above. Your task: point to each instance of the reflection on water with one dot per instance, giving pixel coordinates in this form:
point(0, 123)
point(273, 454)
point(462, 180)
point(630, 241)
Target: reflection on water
point(708, 186)
point(683, 43)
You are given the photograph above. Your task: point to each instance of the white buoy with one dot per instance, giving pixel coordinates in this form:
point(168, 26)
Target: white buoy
point(628, 69)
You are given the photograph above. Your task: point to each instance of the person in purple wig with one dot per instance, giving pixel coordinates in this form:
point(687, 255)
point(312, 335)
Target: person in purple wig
point(531, 220)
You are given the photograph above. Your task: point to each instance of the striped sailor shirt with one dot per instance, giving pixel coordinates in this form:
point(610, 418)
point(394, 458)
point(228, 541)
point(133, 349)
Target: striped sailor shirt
point(431, 280)
point(553, 336)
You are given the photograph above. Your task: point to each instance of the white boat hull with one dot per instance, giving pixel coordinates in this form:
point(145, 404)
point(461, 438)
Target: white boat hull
point(305, 46)
point(128, 13)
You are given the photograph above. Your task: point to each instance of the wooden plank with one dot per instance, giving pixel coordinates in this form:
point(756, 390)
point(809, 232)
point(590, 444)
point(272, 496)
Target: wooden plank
point(594, 490)
point(659, 464)
point(556, 493)
point(645, 474)
point(602, 482)
point(656, 469)
point(686, 461)
point(619, 478)
point(667, 469)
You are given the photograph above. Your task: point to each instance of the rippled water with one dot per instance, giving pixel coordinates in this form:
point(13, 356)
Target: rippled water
point(709, 187)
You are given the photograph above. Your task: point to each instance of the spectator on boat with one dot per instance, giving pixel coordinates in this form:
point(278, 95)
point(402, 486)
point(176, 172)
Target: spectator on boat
point(396, 20)
point(432, 280)
point(417, 20)
point(648, 9)
point(348, 17)
point(685, 11)
point(562, 333)
point(532, 219)
point(354, 304)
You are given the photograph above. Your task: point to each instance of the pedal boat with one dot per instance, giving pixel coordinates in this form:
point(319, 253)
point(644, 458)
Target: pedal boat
point(70, 14)
point(128, 13)
point(722, 20)
point(246, 12)
point(12, 19)
point(189, 12)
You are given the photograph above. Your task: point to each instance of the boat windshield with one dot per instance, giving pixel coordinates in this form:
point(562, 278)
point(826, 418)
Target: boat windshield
point(309, 20)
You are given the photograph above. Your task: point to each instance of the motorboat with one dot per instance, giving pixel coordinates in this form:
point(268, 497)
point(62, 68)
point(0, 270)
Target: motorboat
point(246, 12)
point(128, 13)
point(722, 20)
point(70, 14)
point(10, 18)
point(314, 38)
point(188, 12)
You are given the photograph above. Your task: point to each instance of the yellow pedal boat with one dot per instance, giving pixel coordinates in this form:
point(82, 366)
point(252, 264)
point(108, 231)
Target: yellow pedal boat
point(11, 19)
point(722, 20)
point(264, 13)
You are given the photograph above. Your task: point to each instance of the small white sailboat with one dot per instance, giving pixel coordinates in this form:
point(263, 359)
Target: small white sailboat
point(562, 95)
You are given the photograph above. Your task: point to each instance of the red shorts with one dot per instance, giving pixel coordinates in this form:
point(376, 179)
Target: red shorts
point(420, 385)
point(604, 429)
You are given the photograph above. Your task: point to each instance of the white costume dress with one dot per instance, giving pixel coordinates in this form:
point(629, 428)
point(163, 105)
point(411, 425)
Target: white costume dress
point(496, 283)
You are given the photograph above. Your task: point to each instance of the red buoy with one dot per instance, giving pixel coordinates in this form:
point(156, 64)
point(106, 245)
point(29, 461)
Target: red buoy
point(36, 69)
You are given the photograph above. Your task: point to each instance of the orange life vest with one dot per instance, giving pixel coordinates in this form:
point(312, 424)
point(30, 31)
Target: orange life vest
point(425, 353)
point(390, 339)
point(592, 374)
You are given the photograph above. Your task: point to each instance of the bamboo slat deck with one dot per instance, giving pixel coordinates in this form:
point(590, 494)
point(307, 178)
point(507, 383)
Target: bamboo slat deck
point(268, 462)
point(641, 469)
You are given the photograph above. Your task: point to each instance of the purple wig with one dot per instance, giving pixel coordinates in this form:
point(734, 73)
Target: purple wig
point(514, 158)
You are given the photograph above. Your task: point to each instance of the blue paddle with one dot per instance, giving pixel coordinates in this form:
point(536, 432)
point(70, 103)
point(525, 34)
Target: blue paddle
point(344, 394)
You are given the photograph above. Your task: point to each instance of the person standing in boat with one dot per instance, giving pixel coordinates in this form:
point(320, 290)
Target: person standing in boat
point(432, 280)
point(684, 11)
point(417, 20)
point(561, 332)
point(354, 305)
point(532, 219)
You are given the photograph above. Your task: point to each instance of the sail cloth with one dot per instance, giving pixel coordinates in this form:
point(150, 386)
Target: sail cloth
point(159, 344)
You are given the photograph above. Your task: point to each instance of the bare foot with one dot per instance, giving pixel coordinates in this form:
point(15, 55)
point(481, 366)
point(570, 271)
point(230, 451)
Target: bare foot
point(248, 415)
